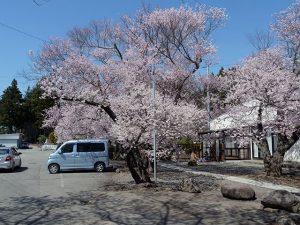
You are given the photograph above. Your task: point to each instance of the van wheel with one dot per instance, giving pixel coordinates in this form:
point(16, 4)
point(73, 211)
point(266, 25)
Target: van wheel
point(99, 167)
point(53, 168)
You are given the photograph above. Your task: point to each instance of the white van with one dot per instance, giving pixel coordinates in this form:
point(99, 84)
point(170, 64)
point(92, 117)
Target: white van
point(80, 154)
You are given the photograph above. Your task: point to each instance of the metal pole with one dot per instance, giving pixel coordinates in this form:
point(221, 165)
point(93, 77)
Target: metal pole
point(208, 99)
point(154, 127)
point(154, 146)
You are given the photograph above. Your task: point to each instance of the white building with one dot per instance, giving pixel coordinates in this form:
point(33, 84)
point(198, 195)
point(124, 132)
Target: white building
point(226, 148)
point(231, 148)
point(11, 140)
point(293, 154)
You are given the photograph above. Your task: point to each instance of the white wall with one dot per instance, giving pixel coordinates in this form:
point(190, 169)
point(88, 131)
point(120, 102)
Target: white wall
point(294, 153)
point(9, 143)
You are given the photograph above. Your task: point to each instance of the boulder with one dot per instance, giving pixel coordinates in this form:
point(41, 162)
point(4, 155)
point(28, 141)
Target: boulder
point(189, 185)
point(284, 220)
point(238, 192)
point(281, 199)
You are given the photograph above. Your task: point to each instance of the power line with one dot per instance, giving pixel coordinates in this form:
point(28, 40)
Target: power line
point(39, 3)
point(22, 32)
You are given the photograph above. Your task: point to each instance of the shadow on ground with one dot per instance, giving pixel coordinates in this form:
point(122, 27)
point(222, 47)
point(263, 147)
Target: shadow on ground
point(133, 208)
point(229, 169)
point(17, 170)
point(291, 176)
point(108, 169)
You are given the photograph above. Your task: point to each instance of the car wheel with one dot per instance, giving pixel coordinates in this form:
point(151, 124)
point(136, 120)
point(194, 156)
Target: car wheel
point(53, 168)
point(99, 167)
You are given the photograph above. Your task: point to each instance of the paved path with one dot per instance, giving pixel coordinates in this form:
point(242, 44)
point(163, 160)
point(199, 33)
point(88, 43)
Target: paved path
point(232, 178)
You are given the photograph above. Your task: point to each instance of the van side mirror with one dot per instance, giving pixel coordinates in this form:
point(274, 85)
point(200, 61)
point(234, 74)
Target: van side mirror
point(59, 151)
point(19, 153)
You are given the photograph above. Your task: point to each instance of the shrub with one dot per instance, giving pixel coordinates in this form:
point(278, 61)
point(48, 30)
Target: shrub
point(41, 139)
point(52, 138)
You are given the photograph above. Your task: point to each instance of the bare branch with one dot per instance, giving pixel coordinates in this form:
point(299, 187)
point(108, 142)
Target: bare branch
point(261, 39)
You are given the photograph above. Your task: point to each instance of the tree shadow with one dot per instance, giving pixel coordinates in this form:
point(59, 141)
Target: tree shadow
point(230, 169)
point(108, 169)
point(236, 170)
point(132, 208)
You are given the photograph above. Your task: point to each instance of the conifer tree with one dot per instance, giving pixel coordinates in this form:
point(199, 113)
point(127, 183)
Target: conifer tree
point(11, 115)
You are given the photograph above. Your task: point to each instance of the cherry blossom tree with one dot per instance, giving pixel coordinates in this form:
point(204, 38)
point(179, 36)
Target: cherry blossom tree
point(287, 26)
point(263, 97)
point(101, 79)
point(179, 40)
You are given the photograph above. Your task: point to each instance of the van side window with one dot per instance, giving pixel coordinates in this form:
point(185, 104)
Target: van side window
point(83, 147)
point(67, 148)
point(97, 147)
point(90, 147)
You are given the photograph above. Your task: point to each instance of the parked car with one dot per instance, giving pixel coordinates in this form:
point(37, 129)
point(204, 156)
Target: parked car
point(10, 158)
point(80, 154)
point(24, 145)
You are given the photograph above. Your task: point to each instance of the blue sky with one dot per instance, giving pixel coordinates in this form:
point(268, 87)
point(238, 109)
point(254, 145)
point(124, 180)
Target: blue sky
point(53, 18)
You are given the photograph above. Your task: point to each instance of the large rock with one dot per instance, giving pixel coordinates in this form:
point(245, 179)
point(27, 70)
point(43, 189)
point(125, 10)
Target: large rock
point(281, 199)
point(189, 185)
point(238, 192)
point(284, 220)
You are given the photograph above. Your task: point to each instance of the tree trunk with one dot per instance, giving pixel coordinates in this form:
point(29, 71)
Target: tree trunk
point(137, 166)
point(272, 163)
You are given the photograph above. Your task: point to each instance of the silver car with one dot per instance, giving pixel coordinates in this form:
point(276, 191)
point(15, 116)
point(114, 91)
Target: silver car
point(10, 158)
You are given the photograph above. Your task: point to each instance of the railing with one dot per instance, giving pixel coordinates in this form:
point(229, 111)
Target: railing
point(47, 147)
point(237, 153)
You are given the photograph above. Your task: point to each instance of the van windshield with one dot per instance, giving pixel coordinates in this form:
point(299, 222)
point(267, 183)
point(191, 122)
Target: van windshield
point(67, 148)
point(58, 145)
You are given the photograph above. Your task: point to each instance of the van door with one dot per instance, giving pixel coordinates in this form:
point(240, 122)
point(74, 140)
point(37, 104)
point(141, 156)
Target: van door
point(91, 152)
point(99, 152)
point(82, 158)
point(67, 156)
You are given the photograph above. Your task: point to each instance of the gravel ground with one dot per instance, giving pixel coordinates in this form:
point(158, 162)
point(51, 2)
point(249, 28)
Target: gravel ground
point(208, 207)
point(168, 180)
point(117, 200)
point(252, 170)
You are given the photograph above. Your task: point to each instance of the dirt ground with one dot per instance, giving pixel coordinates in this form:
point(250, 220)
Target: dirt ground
point(164, 204)
point(245, 169)
point(249, 169)
point(117, 200)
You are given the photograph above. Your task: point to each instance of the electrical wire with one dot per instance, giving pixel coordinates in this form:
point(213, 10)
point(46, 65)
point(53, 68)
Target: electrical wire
point(22, 32)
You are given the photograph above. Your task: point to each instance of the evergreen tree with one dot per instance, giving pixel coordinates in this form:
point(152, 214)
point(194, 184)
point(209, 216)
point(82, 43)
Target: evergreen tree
point(222, 72)
point(11, 111)
point(34, 106)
